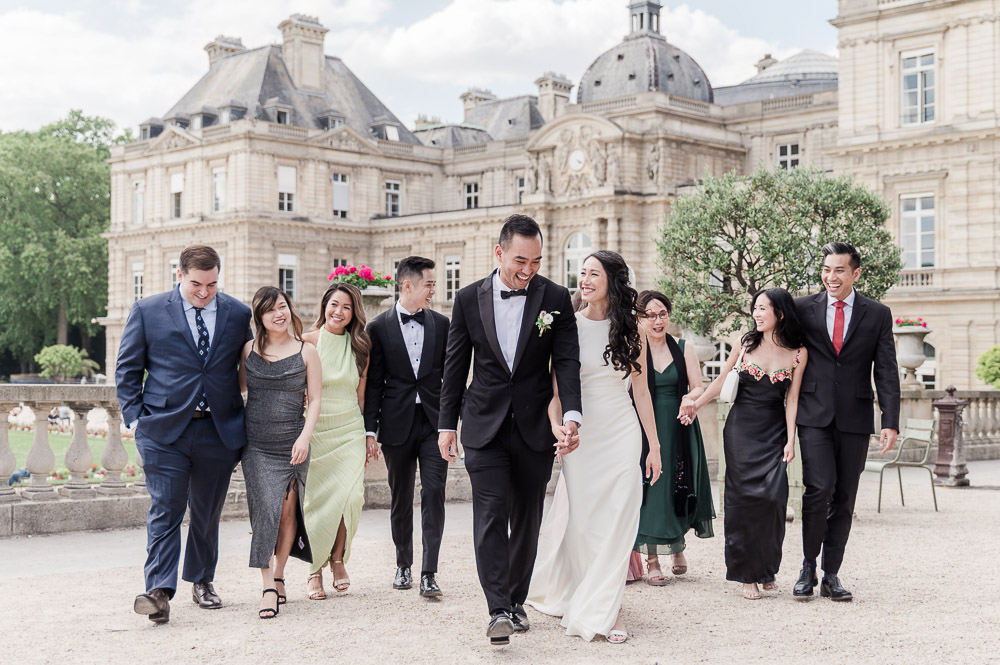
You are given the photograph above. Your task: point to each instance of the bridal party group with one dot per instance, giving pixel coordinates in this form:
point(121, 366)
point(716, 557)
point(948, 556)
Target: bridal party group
point(522, 373)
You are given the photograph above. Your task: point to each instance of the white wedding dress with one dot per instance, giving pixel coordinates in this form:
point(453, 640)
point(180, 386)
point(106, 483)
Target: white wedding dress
point(590, 528)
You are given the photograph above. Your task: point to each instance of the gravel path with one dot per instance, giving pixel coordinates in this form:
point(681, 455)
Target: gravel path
point(923, 595)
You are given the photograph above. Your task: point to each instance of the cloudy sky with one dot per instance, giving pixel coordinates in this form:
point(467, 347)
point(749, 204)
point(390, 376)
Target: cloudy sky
point(132, 59)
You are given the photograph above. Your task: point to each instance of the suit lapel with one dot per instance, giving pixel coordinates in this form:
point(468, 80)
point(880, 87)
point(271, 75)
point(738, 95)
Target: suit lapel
point(396, 340)
point(427, 352)
point(221, 318)
point(485, 297)
point(175, 308)
point(819, 312)
point(860, 309)
point(536, 289)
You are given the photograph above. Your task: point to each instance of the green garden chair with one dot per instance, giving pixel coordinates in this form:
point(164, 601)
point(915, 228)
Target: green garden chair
point(916, 432)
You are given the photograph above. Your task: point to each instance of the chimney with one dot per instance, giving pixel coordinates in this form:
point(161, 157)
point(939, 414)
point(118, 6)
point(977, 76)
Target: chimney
point(473, 97)
point(423, 121)
point(221, 47)
point(302, 50)
point(553, 94)
point(765, 62)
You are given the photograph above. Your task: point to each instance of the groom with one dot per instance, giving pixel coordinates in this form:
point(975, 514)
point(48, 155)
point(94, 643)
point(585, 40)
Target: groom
point(846, 336)
point(506, 433)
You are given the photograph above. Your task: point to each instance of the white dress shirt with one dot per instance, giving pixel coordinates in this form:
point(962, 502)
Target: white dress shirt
point(831, 312)
point(413, 337)
point(207, 315)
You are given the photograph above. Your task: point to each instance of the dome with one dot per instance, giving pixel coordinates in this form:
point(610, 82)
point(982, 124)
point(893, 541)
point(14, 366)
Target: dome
point(644, 62)
point(806, 65)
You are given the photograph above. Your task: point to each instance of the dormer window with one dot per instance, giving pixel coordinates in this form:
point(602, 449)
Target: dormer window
point(150, 129)
point(196, 122)
point(331, 120)
point(280, 112)
point(281, 117)
point(597, 83)
point(143, 133)
point(386, 132)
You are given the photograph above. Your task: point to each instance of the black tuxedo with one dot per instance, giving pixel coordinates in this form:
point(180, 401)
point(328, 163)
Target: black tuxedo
point(408, 430)
point(505, 427)
point(836, 417)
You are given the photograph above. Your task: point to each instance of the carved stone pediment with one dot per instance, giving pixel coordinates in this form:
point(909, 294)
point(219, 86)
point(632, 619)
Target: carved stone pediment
point(574, 155)
point(173, 138)
point(345, 138)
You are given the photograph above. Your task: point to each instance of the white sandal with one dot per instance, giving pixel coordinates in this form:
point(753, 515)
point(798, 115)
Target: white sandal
point(619, 637)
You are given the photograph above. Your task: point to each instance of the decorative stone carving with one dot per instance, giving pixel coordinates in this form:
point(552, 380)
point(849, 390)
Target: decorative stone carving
point(653, 162)
point(545, 178)
point(614, 167)
point(598, 164)
point(531, 175)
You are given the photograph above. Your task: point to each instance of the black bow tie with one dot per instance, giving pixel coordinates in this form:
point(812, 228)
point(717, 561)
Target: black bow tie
point(513, 294)
point(418, 317)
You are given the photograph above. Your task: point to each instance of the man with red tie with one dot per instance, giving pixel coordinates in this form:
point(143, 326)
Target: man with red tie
point(846, 336)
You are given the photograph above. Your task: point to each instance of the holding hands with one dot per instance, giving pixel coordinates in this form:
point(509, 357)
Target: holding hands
point(371, 450)
point(688, 410)
point(567, 437)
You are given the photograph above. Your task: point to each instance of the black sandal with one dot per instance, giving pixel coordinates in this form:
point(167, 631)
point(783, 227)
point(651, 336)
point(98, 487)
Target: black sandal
point(274, 612)
point(282, 599)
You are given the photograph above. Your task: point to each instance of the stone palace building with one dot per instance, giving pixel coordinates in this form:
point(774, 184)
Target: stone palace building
point(282, 159)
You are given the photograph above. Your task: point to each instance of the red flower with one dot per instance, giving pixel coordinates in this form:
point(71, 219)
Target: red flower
point(388, 277)
point(351, 270)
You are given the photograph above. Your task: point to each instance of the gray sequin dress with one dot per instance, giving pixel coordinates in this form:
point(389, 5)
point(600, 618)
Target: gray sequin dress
point(274, 419)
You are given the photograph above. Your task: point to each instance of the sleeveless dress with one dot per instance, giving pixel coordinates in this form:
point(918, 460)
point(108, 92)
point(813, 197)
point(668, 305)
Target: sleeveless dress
point(274, 419)
point(588, 532)
point(336, 487)
point(756, 482)
point(661, 529)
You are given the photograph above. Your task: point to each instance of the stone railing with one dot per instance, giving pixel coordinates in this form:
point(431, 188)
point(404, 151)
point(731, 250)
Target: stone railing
point(787, 103)
point(609, 105)
point(395, 147)
point(916, 279)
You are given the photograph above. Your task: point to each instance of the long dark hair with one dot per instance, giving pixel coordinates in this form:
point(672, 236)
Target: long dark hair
point(263, 302)
point(361, 344)
point(787, 329)
point(624, 340)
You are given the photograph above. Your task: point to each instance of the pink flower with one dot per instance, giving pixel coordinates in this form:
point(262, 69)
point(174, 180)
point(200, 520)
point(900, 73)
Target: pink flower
point(925, 323)
point(389, 277)
point(351, 270)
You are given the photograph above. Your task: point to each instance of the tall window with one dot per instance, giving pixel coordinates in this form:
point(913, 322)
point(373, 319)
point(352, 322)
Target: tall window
point(138, 269)
point(519, 188)
point(340, 262)
point(392, 199)
point(576, 250)
point(927, 373)
point(218, 189)
point(452, 275)
point(917, 70)
point(714, 367)
point(176, 194)
point(172, 268)
point(282, 117)
point(395, 282)
point(471, 195)
point(341, 195)
point(788, 156)
point(916, 231)
point(287, 264)
point(138, 200)
point(286, 188)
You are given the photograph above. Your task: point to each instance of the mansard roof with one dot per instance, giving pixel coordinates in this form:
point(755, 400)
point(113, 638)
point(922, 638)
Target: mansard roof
point(506, 119)
point(450, 136)
point(805, 72)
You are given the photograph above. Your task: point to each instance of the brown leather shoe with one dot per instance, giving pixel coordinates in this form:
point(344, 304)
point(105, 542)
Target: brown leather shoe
point(155, 605)
point(205, 597)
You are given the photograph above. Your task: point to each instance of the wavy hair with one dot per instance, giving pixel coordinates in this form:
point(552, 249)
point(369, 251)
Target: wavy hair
point(624, 338)
point(361, 344)
point(787, 329)
point(263, 302)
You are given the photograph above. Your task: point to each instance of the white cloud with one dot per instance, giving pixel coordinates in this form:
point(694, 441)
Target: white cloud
point(133, 72)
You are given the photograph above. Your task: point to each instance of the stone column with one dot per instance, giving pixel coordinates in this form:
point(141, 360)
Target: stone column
point(79, 457)
point(7, 461)
point(41, 460)
point(950, 468)
point(113, 457)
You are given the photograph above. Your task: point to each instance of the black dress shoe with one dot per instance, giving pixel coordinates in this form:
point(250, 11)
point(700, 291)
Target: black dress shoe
point(203, 594)
point(807, 581)
point(429, 587)
point(155, 605)
point(403, 579)
point(500, 629)
point(834, 590)
point(520, 619)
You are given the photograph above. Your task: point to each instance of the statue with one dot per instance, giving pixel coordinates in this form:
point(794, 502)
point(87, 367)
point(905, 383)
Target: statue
point(653, 162)
point(614, 166)
point(545, 178)
point(598, 163)
point(531, 175)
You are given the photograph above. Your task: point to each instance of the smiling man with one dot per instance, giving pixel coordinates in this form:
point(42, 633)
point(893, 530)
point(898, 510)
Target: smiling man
point(847, 335)
point(188, 420)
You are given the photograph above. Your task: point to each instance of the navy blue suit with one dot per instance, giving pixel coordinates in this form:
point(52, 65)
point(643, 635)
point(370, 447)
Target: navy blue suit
point(186, 461)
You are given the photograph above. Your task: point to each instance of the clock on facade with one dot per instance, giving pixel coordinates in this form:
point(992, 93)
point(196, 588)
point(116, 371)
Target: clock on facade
point(576, 159)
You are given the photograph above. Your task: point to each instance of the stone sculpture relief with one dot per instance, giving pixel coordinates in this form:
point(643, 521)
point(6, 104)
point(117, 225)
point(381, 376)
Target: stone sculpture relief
point(653, 162)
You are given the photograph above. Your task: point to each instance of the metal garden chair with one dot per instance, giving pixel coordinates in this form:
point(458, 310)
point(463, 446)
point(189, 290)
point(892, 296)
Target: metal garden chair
point(918, 433)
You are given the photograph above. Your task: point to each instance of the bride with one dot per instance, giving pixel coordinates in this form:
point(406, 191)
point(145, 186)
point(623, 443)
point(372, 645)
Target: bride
point(588, 533)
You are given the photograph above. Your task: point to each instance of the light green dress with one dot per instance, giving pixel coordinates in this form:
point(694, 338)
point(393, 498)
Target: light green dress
point(336, 483)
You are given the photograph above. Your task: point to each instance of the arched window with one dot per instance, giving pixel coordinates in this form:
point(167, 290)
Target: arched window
point(576, 250)
point(927, 373)
point(714, 367)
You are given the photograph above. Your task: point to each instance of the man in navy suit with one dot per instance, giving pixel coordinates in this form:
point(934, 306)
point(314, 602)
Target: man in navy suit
point(188, 421)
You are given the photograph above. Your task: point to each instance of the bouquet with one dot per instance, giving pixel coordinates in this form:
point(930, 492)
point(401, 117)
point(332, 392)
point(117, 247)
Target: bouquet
point(360, 276)
point(906, 322)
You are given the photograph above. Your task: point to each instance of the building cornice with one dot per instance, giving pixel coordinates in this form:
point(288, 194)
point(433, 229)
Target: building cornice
point(920, 141)
point(887, 8)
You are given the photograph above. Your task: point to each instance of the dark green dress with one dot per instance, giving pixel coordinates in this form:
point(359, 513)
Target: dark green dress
point(661, 530)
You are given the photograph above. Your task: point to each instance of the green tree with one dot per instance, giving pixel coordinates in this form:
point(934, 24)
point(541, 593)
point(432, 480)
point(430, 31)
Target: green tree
point(738, 234)
point(60, 362)
point(988, 367)
point(55, 191)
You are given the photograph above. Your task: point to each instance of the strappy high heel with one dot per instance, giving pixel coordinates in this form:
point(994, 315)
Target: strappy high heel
point(272, 612)
point(282, 599)
point(343, 584)
point(317, 594)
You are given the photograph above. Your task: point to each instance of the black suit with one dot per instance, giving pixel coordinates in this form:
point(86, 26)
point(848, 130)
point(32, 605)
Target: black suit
point(505, 427)
point(836, 417)
point(408, 430)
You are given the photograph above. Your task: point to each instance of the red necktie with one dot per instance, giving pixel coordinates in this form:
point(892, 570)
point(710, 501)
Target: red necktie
point(838, 326)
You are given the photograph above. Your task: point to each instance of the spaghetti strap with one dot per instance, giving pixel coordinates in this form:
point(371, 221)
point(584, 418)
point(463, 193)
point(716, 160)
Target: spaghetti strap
point(302, 345)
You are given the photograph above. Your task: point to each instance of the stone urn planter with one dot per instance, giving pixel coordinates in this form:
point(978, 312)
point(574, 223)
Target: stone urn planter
point(910, 353)
point(374, 298)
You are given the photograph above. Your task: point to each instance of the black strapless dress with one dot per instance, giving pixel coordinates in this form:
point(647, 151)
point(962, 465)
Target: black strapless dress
point(756, 483)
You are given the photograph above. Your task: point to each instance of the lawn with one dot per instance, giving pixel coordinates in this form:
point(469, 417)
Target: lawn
point(20, 443)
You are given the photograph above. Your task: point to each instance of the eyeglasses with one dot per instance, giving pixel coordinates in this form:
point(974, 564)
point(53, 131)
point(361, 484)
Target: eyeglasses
point(661, 315)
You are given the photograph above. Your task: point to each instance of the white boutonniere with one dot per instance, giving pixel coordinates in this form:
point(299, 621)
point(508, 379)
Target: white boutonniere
point(544, 321)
